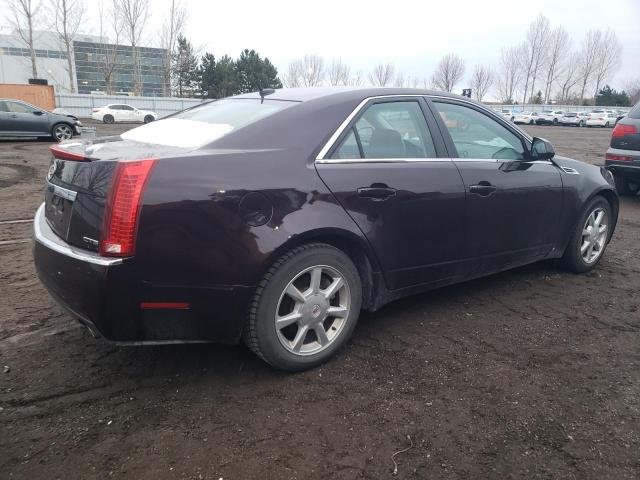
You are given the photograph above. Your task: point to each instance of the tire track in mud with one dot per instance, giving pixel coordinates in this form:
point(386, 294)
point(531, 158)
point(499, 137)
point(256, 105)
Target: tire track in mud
point(11, 174)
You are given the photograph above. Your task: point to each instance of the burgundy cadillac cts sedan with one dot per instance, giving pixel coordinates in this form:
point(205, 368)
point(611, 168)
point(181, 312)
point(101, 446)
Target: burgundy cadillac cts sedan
point(275, 217)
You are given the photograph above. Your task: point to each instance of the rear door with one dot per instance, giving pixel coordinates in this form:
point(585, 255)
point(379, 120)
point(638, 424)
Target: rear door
point(513, 205)
point(390, 171)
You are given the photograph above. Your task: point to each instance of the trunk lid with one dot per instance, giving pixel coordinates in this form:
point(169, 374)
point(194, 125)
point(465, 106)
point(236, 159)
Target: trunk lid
point(78, 183)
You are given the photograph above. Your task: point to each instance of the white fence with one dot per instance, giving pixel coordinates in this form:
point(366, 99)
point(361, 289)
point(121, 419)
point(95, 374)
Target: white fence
point(80, 105)
point(567, 108)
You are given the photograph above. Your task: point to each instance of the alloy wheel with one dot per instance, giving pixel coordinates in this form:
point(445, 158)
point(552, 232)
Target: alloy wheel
point(594, 236)
point(312, 310)
point(62, 132)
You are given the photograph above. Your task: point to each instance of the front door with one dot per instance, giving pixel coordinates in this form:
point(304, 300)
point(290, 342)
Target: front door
point(513, 204)
point(394, 179)
point(25, 120)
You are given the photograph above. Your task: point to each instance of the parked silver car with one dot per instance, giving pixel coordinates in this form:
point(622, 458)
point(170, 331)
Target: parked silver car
point(21, 119)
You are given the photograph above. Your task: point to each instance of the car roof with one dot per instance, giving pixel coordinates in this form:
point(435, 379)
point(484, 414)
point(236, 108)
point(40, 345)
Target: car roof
point(314, 93)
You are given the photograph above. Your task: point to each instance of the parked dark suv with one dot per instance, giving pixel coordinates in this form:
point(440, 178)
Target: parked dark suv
point(21, 119)
point(623, 156)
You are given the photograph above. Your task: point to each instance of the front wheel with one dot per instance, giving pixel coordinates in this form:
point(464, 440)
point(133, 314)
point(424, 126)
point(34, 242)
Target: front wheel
point(62, 131)
point(580, 123)
point(555, 121)
point(590, 238)
point(606, 125)
point(305, 308)
point(148, 119)
point(530, 122)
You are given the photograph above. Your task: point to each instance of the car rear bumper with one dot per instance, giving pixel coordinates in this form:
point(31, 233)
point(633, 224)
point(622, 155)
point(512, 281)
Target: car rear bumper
point(107, 295)
point(627, 168)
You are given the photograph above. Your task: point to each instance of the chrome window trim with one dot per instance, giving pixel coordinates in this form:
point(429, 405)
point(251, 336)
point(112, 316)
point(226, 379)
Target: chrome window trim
point(45, 236)
point(320, 158)
point(382, 160)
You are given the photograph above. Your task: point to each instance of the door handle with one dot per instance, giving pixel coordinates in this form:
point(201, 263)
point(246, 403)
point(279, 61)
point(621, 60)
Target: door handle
point(483, 188)
point(377, 192)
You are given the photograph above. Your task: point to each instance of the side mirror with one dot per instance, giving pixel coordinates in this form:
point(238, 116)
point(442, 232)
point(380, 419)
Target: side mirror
point(38, 112)
point(542, 149)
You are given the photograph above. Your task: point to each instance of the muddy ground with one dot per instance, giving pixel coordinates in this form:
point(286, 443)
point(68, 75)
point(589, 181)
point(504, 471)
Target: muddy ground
point(533, 373)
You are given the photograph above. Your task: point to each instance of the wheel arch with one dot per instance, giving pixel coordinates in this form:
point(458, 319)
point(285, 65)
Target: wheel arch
point(612, 198)
point(355, 247)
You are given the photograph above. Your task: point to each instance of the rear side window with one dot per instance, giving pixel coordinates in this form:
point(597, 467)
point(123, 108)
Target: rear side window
point(389, 130)
point(635, 111)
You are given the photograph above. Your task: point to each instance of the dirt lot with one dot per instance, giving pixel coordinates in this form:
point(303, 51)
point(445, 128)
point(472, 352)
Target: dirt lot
point(534, 373)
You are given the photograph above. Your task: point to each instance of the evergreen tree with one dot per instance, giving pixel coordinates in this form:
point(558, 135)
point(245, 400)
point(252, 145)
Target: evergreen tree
point(612, 98)
point(185, 73)
point(218, 79)
point(256, 73)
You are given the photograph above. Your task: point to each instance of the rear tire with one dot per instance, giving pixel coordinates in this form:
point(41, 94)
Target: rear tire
point(555, 121)
point(590, 237)
point(290, 325)
point(580, 124)
point(108, 119)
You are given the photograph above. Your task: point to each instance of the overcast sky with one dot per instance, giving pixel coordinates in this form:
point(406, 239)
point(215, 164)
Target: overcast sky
point(412, 34)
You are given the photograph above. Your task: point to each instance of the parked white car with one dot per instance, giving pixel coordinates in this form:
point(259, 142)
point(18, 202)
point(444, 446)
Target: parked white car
point(607, 119)
point(549, 117)
point(577, 119)
point(120, 112)
point(508, 114)
point(528, 118)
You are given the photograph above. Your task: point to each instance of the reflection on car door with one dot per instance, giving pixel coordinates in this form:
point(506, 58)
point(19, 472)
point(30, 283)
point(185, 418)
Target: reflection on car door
point(513, 204)
point(23, 120)
point(395, 180)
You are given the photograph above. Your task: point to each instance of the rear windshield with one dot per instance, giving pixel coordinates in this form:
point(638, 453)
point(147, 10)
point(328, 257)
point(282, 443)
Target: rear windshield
point(203, 124)
point(635, 111)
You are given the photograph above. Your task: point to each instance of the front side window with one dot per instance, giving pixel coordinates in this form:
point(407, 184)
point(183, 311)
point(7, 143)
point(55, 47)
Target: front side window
point(389, 130)
point(16, 107)
point(477, 136)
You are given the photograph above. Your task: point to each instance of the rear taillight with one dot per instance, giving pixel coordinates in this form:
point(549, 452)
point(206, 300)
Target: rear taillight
point(621, 130)
point(120, 223)
point(618, 158)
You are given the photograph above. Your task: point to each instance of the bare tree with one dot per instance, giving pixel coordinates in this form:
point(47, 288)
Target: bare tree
point(382, 74)
point(172, 28)
point(510, 73)
point(307, 71)
point(632, 87)
point(569, 76)
point(110, 21)
point(293, 77)
point(356, 80)
point(135, 14)
point(67, 16)
point(338, 72)
point(607, 59)
point(449, 72)
point(588, 59)
point(481, 81)
point(558, 47)
point(22, 16)
point(399, 81)
point(533, 53)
